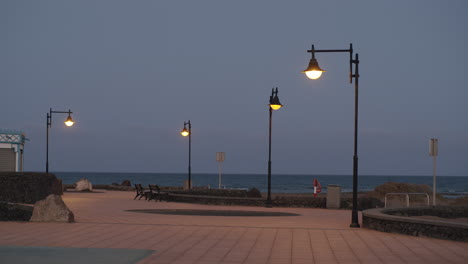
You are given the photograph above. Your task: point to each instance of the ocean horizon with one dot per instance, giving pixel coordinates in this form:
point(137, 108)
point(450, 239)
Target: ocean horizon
point(281, 183)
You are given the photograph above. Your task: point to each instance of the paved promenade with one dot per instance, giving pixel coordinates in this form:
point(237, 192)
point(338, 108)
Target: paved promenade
point(315, 236)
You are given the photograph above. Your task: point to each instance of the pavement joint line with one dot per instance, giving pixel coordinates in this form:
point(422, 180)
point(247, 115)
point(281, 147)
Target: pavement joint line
point(272, 246)
point(368, 246)
point(225, 234)
point(161, 252)
point(439, 244)
point(311, 248)
point(237, 241)
point(251, 248)
point(349, 246)
point(330, 246)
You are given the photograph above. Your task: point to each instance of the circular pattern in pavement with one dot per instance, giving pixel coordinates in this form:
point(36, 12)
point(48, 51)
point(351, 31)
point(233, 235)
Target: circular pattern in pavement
point(211, 212)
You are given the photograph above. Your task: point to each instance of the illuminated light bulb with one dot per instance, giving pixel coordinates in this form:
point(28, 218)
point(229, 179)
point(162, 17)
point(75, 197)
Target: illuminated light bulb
point(313, 74)
point(313, 71)
point(275, 106)
point(185, 132)
point(69, 122)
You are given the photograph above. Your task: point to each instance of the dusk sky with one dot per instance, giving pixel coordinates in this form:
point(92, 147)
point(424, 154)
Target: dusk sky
point(133, 72)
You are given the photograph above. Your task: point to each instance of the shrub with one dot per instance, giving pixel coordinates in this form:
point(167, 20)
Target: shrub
point(254, 193)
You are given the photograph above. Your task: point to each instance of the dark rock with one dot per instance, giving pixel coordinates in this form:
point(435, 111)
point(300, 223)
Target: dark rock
point(126, 183)
point(115, 184)
point(52, 209)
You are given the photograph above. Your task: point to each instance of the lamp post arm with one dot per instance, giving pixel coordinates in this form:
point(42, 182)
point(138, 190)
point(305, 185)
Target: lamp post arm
point(351, 61)
point(63, 112)
point(48, 126)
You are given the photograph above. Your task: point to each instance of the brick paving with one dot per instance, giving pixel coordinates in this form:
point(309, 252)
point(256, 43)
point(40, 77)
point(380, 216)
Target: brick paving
point(315, 236)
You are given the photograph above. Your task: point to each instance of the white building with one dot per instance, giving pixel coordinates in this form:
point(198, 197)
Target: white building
point(11, 150)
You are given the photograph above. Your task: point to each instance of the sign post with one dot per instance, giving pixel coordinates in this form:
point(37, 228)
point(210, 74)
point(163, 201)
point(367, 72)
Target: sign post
point(433, 152)
point(219, 159)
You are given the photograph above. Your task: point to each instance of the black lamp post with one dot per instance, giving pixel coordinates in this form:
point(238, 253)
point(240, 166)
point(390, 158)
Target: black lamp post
point(68, 122)
point(188, 133)
point(313, 71)
point(274, 105)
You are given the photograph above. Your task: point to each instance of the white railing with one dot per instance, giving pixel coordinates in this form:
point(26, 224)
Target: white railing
point(407, 197)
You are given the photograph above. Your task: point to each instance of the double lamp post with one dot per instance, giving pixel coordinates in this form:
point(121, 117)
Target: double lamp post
point(274, 105)
point(313, 71)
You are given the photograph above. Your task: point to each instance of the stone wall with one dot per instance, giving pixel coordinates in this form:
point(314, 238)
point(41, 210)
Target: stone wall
point(15, 212)
point(440, 211)
point(16, 187)
point(396, 222)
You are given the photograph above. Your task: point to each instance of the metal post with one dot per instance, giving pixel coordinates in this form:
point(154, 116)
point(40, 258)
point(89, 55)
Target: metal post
point(434, 192)
point(268, 202)
point(190, 157)
point(354, 216)
point(219, 175)
point(47, 141)
point(434, 151)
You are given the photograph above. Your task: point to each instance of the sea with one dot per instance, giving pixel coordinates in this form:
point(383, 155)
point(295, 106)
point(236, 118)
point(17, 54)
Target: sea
point(453, 186)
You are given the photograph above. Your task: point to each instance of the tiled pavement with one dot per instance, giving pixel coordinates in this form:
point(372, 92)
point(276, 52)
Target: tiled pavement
point(316, 236)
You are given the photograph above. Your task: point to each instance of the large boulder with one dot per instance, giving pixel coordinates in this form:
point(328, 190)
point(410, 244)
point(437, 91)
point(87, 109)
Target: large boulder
point(52, 209)
point(84, 185)
point(126, 183)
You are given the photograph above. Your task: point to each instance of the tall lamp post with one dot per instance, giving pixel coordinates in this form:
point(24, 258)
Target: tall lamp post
point(274, 105)
point(68, 122)
point(313, 71)
point(188, 133)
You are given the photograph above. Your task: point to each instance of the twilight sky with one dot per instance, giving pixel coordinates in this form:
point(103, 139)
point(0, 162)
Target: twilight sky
point(133, 71)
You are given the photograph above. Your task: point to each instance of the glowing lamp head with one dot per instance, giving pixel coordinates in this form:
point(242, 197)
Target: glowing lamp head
point(69, 122)
point(274, 100)
point(185, 132)
point(275, 106)
point(313, 71)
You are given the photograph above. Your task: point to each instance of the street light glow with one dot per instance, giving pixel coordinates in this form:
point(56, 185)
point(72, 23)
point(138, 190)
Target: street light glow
point(313, 74)
point(185, 132)
point(69, 122)
point(313, 71)
point(275, 106)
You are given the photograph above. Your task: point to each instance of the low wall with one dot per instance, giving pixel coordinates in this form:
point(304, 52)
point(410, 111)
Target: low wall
point(398, 221)
point(28, 187)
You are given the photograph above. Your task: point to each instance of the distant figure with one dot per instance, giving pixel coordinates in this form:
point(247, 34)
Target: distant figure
point(126, 183)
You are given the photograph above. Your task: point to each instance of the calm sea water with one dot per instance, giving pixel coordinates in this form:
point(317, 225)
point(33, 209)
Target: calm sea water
point(281, 183)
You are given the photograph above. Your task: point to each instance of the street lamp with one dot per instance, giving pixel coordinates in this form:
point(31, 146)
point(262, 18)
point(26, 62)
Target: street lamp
point(313, 71)
point(274, 105)
point(188, 133)
point(68, 122)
